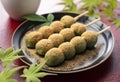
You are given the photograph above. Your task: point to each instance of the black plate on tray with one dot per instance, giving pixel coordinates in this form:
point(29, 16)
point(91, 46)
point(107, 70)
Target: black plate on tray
point(87, 60)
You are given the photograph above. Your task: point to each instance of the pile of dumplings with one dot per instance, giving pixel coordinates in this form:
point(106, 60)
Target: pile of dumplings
point(61, 40)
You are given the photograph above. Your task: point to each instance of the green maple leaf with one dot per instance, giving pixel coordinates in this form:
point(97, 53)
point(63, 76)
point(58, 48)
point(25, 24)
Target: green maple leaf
point(6, 74)
point(8, 56)
point(70, 6)
point(116, 22)
point(111, 5)
point(91, 4)
point(32, 74)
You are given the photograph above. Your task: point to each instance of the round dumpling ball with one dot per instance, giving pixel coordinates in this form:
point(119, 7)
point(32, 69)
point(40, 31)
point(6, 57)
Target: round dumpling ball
point(56, 39)
point(54, 57)
point(79, 43)
point(67, 20)
point(78, 28)
point(46, 31)
point(91, 38)
point(43, 46)
point(57, 26)
point(68, 49)
point(32, 38)
point(67, 33)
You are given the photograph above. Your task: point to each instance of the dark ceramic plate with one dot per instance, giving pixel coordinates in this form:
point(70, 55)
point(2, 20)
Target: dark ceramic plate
point(87, 60)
